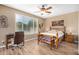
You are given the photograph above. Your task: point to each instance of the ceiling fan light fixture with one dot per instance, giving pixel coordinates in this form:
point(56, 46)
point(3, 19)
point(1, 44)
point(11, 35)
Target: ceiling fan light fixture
point(45, 9)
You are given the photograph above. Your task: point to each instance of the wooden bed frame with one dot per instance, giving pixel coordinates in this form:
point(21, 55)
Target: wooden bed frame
point(52, 40)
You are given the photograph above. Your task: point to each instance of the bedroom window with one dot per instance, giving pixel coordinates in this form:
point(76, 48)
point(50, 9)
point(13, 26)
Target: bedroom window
point(26, 24)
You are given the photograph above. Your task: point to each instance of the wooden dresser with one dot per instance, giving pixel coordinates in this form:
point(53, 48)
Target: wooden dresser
point(69, 38)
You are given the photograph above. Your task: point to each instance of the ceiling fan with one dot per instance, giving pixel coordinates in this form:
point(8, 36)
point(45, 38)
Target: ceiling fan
point(45, 9)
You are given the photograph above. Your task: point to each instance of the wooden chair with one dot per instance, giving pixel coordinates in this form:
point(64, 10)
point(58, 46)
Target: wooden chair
point(9, 40)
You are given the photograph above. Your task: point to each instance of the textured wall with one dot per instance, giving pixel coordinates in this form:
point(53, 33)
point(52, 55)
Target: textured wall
point(78, 25)
point(70, 22)
point(10, 13)
point(78, 32)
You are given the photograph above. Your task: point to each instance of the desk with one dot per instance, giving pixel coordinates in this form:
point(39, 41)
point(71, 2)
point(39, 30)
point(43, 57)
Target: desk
point(8, 39)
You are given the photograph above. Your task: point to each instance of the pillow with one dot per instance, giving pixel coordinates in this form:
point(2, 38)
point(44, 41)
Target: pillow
point(60, 32)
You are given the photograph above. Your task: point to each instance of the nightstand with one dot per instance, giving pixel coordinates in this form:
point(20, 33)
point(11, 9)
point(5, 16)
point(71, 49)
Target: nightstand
point(69, 38)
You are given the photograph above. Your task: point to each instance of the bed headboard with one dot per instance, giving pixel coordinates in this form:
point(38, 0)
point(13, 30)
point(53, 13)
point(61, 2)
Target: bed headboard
point(60, 28)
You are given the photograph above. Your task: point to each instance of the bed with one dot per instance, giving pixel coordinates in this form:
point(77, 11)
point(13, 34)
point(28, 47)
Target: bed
point(52, 37)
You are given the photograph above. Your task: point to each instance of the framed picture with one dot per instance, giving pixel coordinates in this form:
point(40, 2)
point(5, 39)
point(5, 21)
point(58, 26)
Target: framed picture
point(58, 23)
point(3, 21)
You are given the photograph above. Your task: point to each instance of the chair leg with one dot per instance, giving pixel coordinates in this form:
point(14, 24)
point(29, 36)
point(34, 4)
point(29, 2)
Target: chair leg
point(23, 43)
point(6, 46)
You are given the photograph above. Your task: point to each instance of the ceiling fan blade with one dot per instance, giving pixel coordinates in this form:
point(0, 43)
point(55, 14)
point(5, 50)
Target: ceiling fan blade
point(48, 8)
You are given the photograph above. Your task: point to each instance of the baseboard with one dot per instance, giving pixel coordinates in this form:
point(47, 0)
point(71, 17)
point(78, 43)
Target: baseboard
point(31, 39)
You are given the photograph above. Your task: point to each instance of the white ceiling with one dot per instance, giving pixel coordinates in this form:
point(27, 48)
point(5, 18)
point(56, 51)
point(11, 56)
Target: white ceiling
point(58, 9)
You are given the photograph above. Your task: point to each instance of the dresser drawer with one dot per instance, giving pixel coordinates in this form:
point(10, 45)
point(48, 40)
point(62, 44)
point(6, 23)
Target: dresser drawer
point(69, 38)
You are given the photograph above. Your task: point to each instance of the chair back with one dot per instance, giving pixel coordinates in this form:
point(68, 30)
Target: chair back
point(19, 37)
